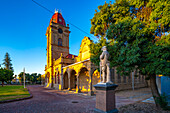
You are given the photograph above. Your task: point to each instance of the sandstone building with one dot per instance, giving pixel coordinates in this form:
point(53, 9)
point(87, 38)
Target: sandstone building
point(72, 72)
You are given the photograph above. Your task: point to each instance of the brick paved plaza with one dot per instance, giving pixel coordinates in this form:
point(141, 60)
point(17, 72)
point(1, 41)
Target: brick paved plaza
point(53, 101)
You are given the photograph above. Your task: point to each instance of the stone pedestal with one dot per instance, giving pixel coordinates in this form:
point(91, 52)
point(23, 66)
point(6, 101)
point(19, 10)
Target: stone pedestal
point(105, 98)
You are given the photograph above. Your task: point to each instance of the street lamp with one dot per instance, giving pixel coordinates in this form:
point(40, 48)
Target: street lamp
point(24, 77)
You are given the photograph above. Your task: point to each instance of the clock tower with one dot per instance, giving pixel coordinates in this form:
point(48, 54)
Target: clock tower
point(57, 35)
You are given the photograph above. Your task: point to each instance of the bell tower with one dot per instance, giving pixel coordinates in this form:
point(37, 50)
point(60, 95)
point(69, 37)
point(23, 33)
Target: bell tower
point(57, 35)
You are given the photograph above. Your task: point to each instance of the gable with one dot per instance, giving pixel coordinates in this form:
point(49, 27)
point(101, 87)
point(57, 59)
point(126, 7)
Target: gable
point(84, 52)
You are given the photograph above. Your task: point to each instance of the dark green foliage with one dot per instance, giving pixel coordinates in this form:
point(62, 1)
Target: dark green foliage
point(6, 75)
point(30, 78)
point(101, 20)
point(7, 62)
point(135, 39)
point(96, 50)
point(162, 100)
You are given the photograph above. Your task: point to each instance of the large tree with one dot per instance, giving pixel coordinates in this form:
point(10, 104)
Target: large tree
point(7, 62)
point(137, 35)
point(5, 75)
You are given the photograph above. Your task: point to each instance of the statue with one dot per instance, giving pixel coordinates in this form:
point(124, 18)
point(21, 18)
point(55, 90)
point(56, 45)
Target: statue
point(105, 65)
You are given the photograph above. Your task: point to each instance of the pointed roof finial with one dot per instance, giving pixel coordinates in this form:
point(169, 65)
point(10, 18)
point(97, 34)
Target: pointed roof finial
point(56, 11)
point(60, 12)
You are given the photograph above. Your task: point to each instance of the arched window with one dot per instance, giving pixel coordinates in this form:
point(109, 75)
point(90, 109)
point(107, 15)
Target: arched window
point(59, 42)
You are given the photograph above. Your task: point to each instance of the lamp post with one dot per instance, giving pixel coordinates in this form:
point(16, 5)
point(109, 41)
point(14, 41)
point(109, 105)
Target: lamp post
point(24, 77)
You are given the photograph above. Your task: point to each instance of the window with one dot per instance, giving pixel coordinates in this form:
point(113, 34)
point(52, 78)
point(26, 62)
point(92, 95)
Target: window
point(58, 78)
point(124, 79)
point(60, 20)
point(59, 42)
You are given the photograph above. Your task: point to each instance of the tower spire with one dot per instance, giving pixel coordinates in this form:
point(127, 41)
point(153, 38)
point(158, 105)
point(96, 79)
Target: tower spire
point(56, 11)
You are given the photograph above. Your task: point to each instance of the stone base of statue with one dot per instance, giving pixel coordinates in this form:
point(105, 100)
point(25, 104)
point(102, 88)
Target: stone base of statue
point(105, 98)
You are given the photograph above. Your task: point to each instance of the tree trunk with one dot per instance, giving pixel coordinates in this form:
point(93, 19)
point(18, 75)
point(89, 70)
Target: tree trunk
point(2, 84)
point(154, 89)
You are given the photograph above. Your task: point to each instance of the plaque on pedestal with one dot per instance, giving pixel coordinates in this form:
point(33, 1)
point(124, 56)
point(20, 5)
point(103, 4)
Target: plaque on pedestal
point(105, 98)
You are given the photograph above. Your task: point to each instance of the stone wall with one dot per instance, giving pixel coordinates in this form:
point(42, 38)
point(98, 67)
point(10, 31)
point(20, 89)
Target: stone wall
point(123, 82)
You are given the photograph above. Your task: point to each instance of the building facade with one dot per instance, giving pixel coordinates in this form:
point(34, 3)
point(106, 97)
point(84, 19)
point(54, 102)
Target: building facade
point(68, 71)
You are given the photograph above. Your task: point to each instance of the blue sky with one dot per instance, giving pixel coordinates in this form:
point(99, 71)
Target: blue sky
point(23, 26)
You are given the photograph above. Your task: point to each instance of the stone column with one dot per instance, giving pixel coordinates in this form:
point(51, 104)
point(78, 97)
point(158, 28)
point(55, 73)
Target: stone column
point(133, 81)
point(122, 79)
point(69, 80)
point(62, 85)
point(61, 81)
point(61, 78)
point(52, 81)
point(78, 88)
point(138, 80)
point(90, 83)
point(105, 98)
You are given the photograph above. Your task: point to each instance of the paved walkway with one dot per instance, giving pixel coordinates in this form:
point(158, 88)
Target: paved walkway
point(53, 101)
point(149, 100)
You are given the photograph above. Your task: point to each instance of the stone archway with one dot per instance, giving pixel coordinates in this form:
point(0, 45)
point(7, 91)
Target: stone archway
point(95, 78)
point(65, 81)
point(73, 80)
point(84, 85)
point(47, 78)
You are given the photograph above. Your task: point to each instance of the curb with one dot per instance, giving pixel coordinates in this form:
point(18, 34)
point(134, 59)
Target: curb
point(13, 100)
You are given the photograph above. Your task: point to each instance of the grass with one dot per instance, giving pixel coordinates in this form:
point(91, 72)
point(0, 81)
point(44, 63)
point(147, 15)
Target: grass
point(13, 92)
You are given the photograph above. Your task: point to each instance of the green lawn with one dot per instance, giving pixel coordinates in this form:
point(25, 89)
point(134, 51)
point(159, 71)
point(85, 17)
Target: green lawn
point(13, 92)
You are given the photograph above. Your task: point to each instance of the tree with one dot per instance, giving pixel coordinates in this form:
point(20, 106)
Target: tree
point(7, 62)
point(32, 78)
point(138, 37)
point(27, 77)
point(5, 75)
point(21, 76)
point(39, 78)
point(101, 20)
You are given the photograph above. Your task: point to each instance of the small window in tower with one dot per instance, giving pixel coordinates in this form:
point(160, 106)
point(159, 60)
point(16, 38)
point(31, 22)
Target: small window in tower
point(60, 20)
point(59, 42)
